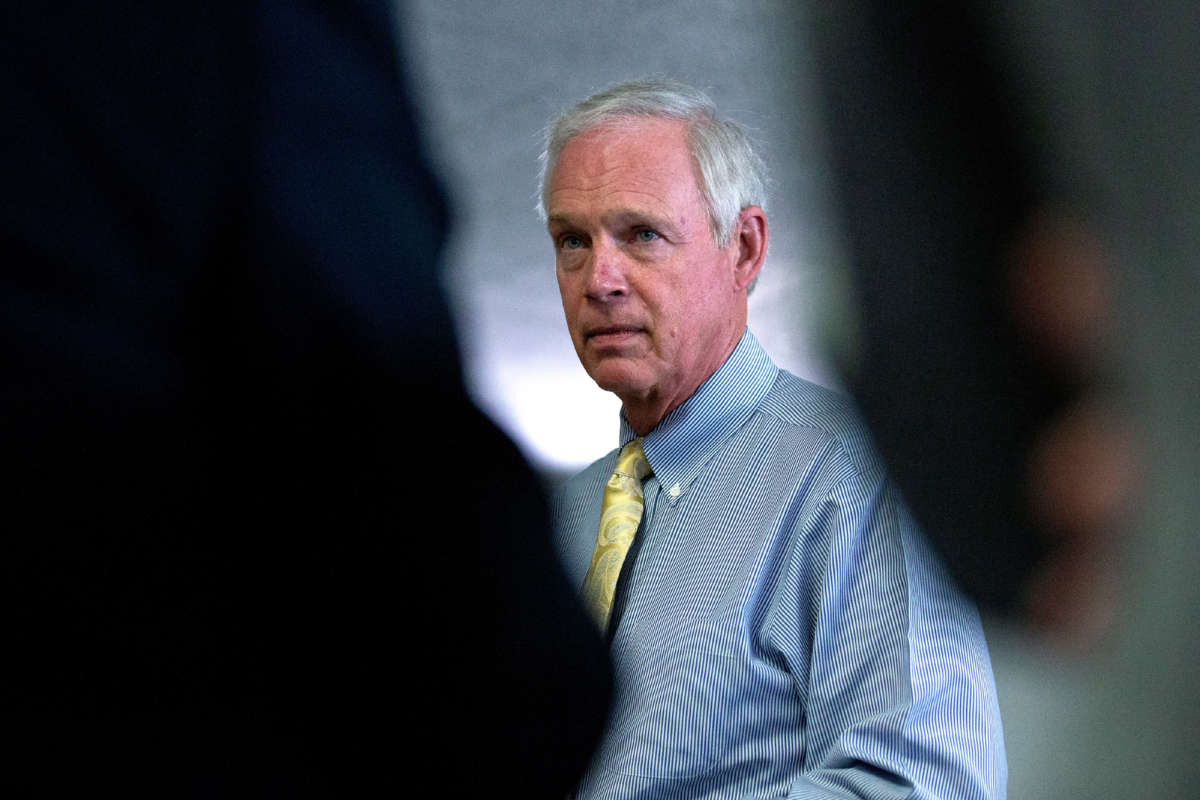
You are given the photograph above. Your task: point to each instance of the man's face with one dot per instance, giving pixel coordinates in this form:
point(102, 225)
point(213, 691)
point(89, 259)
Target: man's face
point(652, 304)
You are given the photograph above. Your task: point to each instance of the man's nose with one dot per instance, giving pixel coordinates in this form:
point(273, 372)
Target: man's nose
point(607, 277)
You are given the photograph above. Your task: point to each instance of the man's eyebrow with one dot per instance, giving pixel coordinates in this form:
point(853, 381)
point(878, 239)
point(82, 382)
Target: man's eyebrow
point(632, 216)
point(627, 215)
point(558, 219)
point(618, 217)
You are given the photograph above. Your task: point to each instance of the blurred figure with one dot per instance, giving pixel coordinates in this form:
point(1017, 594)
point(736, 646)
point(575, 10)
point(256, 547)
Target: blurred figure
point(257, 541)
point(985, 307)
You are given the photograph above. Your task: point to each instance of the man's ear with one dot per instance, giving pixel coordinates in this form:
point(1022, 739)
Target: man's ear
point(750, 240)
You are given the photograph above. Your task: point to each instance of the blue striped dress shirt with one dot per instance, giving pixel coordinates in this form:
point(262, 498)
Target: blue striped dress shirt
point(783, 629)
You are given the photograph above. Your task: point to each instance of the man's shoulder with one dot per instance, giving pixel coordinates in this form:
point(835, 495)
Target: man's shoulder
point(585, 484)
point(601, 468)
point(802, 402)
point(806, 406)
point(576, 514)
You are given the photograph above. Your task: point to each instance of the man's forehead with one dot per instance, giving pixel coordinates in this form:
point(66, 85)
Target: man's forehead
point(635, 164)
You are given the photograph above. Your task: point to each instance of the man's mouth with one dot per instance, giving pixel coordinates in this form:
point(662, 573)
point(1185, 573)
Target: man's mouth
point(612, 334)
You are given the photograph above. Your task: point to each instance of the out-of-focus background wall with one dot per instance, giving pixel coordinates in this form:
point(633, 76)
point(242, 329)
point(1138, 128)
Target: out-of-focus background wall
point(1113, 84)
point(492, 75)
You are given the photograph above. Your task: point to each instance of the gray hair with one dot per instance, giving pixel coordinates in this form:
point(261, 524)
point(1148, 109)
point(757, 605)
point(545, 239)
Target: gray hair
point(730, 174)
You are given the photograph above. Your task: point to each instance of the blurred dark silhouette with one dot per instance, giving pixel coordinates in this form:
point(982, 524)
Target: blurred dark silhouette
point(983, 307)
point(257, 540)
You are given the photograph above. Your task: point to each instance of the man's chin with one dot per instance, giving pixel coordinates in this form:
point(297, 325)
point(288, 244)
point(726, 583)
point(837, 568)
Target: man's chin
point(619, 376)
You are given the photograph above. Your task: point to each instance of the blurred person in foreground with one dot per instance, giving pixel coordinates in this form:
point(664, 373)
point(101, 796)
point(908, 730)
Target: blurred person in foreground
point(257, 542)
point(778, 626)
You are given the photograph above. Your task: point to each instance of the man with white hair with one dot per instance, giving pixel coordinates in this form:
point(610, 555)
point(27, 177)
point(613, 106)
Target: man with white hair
point(777, 624)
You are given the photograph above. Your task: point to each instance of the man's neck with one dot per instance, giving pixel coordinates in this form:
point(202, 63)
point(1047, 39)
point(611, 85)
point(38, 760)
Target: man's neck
point(642, 420)
point(643, 413)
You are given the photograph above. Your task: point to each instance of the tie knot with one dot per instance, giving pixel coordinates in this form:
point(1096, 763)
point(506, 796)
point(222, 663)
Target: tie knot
point(632, 461)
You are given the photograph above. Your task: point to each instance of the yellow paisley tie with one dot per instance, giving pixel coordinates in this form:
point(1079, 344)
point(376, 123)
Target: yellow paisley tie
point(620, 513)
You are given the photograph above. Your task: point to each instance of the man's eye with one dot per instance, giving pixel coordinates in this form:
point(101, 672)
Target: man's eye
point(570, 242)
point(645, 235)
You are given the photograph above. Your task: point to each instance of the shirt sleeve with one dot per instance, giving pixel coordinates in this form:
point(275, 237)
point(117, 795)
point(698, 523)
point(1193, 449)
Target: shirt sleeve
point(899, 693)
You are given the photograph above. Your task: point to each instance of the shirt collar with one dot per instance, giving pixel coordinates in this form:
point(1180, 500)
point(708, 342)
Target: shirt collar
point(684, 441)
